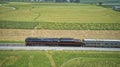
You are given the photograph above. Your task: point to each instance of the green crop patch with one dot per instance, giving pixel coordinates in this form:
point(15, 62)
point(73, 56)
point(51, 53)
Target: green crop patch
point(3, 2)
point(17, 25)
point(86, 58)
point(23, 59)
point(59, 58)
point(79, 26)
point(92, 62)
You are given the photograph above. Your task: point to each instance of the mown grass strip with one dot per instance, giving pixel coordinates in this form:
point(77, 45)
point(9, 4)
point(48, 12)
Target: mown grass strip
point(17, 25)
point(79, 26)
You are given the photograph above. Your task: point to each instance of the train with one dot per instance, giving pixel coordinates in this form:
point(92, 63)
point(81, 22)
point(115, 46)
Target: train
point(71, 42)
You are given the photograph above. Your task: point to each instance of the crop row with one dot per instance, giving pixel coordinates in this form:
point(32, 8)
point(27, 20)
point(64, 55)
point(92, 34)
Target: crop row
point(85, 58)
point(79, 26)
point(59, 26)
point(17, 25)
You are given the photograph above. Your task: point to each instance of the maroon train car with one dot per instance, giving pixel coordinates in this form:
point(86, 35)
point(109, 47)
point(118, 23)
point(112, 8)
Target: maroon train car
point(53, 42)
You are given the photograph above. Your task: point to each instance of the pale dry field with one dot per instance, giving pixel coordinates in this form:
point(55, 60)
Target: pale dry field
point(21, 34)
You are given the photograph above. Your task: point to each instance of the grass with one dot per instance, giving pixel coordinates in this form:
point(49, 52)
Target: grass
point(50, 12)
point(86, 58)
point(79, 14)
point(54, 19)
point(12, 42)
point(79, 26)
point(57, 16)
point(17, 25)
point(23, 59)
point(3, 2)
point(58, 26)
point(61, 58)
point(93, 62)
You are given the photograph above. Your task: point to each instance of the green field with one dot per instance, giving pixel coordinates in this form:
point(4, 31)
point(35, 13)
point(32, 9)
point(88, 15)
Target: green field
point(58, 16)
point(50, 12)
point(79, 26)
point(58, 26)
point(23, 59)
point(59, 59)
point(50, 20)
point(17, 25)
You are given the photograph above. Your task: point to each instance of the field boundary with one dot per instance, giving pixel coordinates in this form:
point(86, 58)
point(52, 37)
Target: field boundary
point(50, 59)
point(70, 61)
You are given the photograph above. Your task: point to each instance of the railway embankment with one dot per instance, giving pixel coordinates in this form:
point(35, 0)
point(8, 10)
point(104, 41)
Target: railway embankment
point(57, 48)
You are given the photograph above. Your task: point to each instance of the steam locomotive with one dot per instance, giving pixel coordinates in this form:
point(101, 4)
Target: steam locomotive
point(72, 42)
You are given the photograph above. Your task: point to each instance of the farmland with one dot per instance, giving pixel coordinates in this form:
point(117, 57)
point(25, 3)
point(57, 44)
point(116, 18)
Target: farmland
point(17, 25)
point(59, 58)
point(23, 59)
point(45, 12)
point(20, 20)
point(59, 16)
point(58, 26)
point(79, 26)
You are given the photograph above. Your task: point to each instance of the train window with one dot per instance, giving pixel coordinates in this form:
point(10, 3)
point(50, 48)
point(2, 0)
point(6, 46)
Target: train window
point(106, 43)
point(93, 43)
point(98, 43)
point(115, 43)
point(111, 43)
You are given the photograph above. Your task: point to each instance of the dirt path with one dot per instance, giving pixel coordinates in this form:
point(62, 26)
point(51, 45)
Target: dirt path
point(50, 59)
point(21, 34)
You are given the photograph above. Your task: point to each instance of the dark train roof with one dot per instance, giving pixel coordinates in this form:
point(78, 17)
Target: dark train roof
point(51, 39)
point(42, 39)
point(66, 39)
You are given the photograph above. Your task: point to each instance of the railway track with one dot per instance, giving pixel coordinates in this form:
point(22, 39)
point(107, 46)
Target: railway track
point(21, 46)
point(55, 48)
